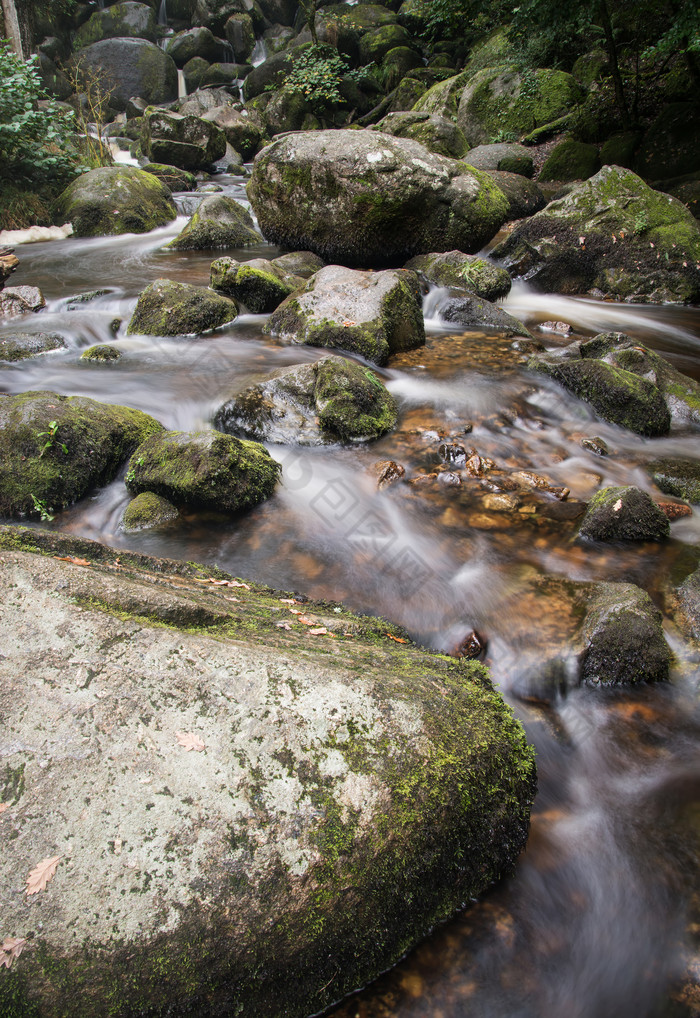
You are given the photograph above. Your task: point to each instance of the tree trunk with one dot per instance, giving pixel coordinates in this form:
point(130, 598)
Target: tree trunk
point(12, 28)
point(614, 65)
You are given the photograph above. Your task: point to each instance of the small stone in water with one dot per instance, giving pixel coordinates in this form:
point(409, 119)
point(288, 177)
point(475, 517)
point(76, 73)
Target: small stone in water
point(561, 327)
point(449, 479)
point(421, 479)
point(387, 472)
point(472, 646)
point(453, 454)
point(675, 510)
point(502, 502)
point(474, 466)
point(595, 445)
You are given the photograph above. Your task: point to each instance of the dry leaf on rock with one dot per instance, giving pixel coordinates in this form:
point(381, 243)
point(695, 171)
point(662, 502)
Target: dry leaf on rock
point(283, 625)
point(320, 631)
point(41, 874)
point(4, 806)
point(75, 561)
point(223, 583)
point(397, 639)
point(287, 600)
point(10, 949)
point(188, 741)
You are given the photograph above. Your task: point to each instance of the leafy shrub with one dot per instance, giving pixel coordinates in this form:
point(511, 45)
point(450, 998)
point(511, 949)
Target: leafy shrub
point(316, 75)
point(35, 140)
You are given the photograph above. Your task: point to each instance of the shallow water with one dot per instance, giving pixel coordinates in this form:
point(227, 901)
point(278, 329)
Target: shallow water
point(593, 922)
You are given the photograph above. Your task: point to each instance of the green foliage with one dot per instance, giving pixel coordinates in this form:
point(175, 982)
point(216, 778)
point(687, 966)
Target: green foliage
point(34, 140)
point(316, 75)
point(51, 439)
point(44, 511)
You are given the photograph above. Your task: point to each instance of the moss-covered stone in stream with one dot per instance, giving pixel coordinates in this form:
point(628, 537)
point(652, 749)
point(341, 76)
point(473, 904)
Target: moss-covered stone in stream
point(173, 177)
point(259, 284)
point(219, 221)
point(169, 308)
point(624, 514)
point(203, 470)
point(17, 346)
point(103, 353)
point(114, 199)
point(54, 449)
point(623, 638)
point(675, 476)
point(351, 792)
point(463, 273)
point(147, 510)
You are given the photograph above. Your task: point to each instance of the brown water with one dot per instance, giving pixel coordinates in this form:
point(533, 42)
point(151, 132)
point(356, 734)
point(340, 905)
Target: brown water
point(594, 921)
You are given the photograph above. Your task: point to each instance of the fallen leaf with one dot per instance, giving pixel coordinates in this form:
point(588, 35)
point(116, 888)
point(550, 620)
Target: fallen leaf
point(188, 741)
point(41, 874)
point(287, 600)
point(4, 806)
point(304, 621)
point(319, 631)
point(397, 639)
point(223, 583)
point(283, 625)
point(75, 561)
point(348, 323)
point(296, 611)
point(10, 949)
point(617, 506)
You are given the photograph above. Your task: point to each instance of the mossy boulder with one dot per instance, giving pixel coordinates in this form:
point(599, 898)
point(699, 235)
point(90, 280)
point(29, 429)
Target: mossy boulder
point(194, 71)
point(624, 514)
point(363, 198)
point(618, 396)
point(128, 68)
point(505, 100)
point(17, 346)
point(671, 146)
point(571, 160)
point(102, 353)
point(169, 308)
point(123, 20)
point(115, 199)
point(259, 284)
point(681, 393)
point(312, 404)
point(689, 601)
point(505, 156)
point(613, 233)
point(525, 197)
point(299, 263)
point(147, 511)
point(219, 221)
point(374, 314)
point(241, 131)
point(268, 873)
point(55, 449)
point(173, 177)
point(203, 470)
point(591, 66)
point(474, 312)
point(461, 273)
point(676, 476)
point(396, 64)
point(195, 42)
point(240, 35)
point(620, 149)
point(442, 98)
point(623, 638)
point(375, 45)
point(437, 133)
point(183, 140)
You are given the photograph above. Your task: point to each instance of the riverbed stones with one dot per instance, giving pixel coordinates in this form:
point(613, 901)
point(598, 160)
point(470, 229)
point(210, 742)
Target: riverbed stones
point(259, 284)
point(20, 300)
point(101, 353)
point(219, 222)
point(17, 346)
point(461, 272)
point(54, 449)
point(615, 394)
point(374, 314)
point(624, 514)
point(113, 200)
point(147, 511)
point(614, 233)
point(241, 131)
point(677, 476)
point(203, 470)
point(369, 199)
point(312, 404)
point(128, 68)
point(169, 308)
point(474, 312)
point(623, 637)
point(183, 140)
point(266, 870)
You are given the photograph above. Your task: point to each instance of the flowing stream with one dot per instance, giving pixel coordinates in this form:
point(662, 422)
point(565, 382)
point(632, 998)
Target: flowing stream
point(594, 923)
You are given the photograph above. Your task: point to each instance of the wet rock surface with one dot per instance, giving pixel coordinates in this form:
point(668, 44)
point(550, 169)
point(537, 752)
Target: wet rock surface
point(169, 308)
point(624, 514)
point(115, 199)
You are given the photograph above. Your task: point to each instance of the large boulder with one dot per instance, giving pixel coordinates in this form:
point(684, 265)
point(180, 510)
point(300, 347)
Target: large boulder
point(365, 198)
point(115, 199)
point(203, 470)
point(240, 129)
point(130, 67)
point(461, 273)
point(55, 449)
point(624, 514)
point(443, 97)
point(17, 346)
point(525, 197)
point(169, 308)
point(173, 177)
point(374, 314)
point(474, 312)
point(219, 221)
point(242, 812)
point(196, 42)
point(123, 20)
point(571, 160)
point(506, 100)
point(259, 284)
point(183, 140)
point(312, 404)
point(437, 133)
point(612, 233)
point(506, 156)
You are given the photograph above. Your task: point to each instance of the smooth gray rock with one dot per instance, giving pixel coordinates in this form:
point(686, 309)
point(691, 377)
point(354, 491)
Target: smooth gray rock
point(131, 67)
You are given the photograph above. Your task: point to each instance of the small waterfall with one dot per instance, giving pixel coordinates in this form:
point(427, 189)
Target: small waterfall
point(259, 54)
point(162, 12)
point(181, 83)
point(227, 56)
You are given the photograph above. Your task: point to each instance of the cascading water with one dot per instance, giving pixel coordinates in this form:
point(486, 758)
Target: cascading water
point(593, 922)
point(259, 54)
point(163, 13)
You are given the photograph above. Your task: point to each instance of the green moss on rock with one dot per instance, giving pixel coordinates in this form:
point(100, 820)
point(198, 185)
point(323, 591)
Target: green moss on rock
point(146, 511)
point(623, 638)
point(168, 308)
point(34, 465)
point(17, 346)
point(102, 353)
point(462, 272)
point(219, 222)
point(676, 476)
point(624, 514)
point(571, 160)
point(173, 177)
point(115, 199)
point(259, 284)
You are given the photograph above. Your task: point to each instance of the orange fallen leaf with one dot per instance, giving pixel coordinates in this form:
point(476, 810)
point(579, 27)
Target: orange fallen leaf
point(397, 639)
point(304, 621)
point(41, 874)
point(4, 806)
point(319, 631)
point(75, 561)
point(348, 323)
point(296, 611)
point(188, 741)
point(10, 949)
point(287, 600)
